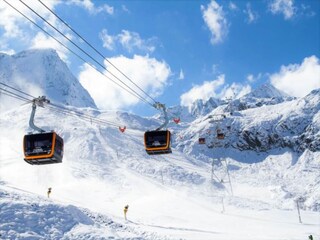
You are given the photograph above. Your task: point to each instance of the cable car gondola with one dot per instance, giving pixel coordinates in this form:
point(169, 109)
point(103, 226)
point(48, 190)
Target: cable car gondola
point(43, 148)
point(157, 142)
point(202, 141)
point(220, 134)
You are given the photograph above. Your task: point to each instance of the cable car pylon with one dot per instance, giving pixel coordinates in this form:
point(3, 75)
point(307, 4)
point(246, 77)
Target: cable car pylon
point(43, 147)
point(159, 141)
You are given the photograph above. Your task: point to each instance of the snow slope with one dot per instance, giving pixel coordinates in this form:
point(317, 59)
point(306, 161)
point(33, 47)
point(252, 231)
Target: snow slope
point(170, 197)
point(173, 196)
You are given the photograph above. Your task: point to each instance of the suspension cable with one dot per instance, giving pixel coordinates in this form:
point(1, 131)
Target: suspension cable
point(77, 46)
point(15, 95)
point(17, 90)
point(58, 108)
point(98, 52)
point(62, 44)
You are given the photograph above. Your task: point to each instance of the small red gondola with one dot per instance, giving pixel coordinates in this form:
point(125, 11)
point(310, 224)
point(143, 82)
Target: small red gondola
point(176, 120)
point(122, 129)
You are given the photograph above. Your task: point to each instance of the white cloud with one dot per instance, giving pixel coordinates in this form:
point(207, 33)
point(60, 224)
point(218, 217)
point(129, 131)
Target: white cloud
point(41, 40)
point(125, 9)
point(107, 40)
point(285, 7)
point(236, 90)
point(12, 22)
point(216, 89)
point(252, 16)
point(250, 78)
point(205, 91)
point(215, 19)
point(233, 6)
point(89, 5)
point(298, 80)
point(149, 74)
point(128, 40)
point(19, 30)
point(181, 75)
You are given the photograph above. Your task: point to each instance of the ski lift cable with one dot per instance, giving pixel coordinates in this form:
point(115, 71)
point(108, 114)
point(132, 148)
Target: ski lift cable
point(15, 95)
point(17, 90)
point(60, 109)
point(82, 116)
point(62, 44)
point(92, 47)
point(77, 46)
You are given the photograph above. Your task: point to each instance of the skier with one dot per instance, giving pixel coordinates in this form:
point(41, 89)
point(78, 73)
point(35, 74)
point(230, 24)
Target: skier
point(125, 210)
point(49, 191)
point(310, 237)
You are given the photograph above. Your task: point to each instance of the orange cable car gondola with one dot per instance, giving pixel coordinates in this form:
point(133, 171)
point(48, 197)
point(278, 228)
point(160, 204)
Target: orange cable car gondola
point(158, 141)
point(43, 147)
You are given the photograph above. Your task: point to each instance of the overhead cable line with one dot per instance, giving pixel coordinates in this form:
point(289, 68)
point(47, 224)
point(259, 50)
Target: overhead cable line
point(84, 116)
point(15, 95)
point(98, 52)
point(17, 90)
point(87, 54)
point(56, 107)
point(62, 44)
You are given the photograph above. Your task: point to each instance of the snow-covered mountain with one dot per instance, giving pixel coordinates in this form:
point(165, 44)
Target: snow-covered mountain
point(40, 72)
point(271, 152)
point(293, 124)
point(266, 94)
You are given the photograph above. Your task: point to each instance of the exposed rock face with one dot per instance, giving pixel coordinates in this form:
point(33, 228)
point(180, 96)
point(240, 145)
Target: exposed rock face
point(291, 123)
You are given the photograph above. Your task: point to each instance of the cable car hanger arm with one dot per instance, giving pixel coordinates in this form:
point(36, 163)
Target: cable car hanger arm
point(159, 106)
point(37, 101)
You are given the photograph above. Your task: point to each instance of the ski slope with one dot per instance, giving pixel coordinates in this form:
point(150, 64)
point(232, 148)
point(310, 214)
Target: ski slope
point(170, 196)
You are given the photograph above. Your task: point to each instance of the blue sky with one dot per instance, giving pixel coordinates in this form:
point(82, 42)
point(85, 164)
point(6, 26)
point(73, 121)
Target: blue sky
point(180, 51)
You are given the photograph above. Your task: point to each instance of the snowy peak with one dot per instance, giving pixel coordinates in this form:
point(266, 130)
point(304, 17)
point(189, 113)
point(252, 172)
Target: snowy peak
point(41, 72)
point(200, 107)
point(267, 91)
point(264, 95)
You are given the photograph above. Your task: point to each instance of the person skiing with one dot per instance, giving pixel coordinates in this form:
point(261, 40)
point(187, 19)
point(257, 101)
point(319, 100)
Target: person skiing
point(49, 191)
point(125, 210)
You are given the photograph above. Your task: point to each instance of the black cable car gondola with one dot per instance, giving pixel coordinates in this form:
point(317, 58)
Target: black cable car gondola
point(202, 141)
point(220, 134)
point(157, 142)
point(43, 148)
